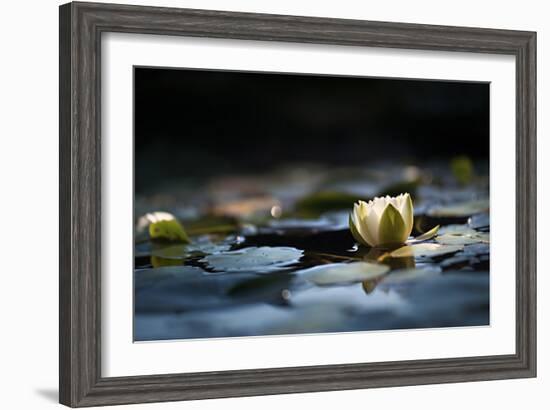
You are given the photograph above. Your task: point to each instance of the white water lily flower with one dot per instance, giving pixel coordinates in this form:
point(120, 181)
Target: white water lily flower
point(382, 221)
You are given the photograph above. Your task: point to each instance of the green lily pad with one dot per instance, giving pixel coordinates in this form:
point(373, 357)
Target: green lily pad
point(461, 210)
point(261, 260)
point(425, 250)
point(335, 273)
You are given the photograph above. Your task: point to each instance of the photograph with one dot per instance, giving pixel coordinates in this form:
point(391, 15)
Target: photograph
point(271, 203)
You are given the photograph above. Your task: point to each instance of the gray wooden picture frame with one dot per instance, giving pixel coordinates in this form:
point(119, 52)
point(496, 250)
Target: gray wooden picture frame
point(81, 27)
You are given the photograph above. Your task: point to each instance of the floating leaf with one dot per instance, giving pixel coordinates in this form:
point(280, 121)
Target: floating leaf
point(425, 250)
point(253, 259)
point(460, 210)
point(449, 239)
point(477, 249)
point(457, 230)
point(344, 272)
point(176, 289)
point(479, 221)
point(207, 248)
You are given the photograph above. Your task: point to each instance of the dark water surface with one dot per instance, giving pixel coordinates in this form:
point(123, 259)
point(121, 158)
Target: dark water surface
point(273, 254)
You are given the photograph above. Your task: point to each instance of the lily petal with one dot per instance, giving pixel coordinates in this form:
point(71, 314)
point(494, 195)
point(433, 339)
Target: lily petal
point(355, 232)
point(362, 218)
point(370, 225)
point(407, 212)
point(392, 228)
point(427, 235)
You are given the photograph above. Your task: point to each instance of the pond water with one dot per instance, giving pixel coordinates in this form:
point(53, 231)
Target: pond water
point(272, 254)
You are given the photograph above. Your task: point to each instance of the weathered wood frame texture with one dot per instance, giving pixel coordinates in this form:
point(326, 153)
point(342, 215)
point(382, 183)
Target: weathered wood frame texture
point(81, 26)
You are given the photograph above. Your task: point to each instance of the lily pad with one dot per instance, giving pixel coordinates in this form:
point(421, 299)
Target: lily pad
point(460, 210)
point(448, 239)
point(477, 249)
point(261, 260)
point(185, 288)
point(457, 230)
point(425, 250)
point(183, 251)
point(335, 273)
point(479, 221)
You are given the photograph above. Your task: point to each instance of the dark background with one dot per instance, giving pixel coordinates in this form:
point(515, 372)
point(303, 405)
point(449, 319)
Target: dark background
point(198, 123)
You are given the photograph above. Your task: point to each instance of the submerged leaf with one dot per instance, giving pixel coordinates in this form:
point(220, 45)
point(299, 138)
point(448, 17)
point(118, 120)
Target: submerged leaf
point(344, 272)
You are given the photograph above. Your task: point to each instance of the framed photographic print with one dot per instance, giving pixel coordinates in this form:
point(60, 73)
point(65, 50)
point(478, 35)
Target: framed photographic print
point(260, 204)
